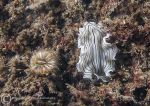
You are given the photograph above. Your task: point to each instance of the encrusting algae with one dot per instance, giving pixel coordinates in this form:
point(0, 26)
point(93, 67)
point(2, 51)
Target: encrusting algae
point(28, 27)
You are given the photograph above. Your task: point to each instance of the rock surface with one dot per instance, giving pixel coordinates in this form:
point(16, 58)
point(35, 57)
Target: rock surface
point(30, 25)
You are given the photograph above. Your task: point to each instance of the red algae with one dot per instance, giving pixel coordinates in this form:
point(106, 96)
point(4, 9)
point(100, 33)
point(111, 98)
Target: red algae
point(27, 26)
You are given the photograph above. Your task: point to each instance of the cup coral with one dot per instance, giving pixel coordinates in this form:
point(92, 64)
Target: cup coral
point(17, 64)
point(44, 62)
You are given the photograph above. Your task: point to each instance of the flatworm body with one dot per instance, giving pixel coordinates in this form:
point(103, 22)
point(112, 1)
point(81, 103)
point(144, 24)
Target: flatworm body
point(96, 55)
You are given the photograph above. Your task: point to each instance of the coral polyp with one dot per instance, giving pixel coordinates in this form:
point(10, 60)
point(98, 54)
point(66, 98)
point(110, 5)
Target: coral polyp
point(44, 62)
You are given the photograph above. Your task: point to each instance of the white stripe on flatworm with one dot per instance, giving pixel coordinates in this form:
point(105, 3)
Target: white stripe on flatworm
point(96, 55)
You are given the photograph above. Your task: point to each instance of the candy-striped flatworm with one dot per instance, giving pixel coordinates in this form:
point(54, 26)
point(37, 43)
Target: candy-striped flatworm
point(97, 56)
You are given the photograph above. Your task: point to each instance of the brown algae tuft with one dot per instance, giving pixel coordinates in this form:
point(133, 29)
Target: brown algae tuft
point(2, 64)
point(44, 62)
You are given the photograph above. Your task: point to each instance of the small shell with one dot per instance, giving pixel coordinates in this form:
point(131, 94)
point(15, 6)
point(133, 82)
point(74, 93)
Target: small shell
point(96, 55)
